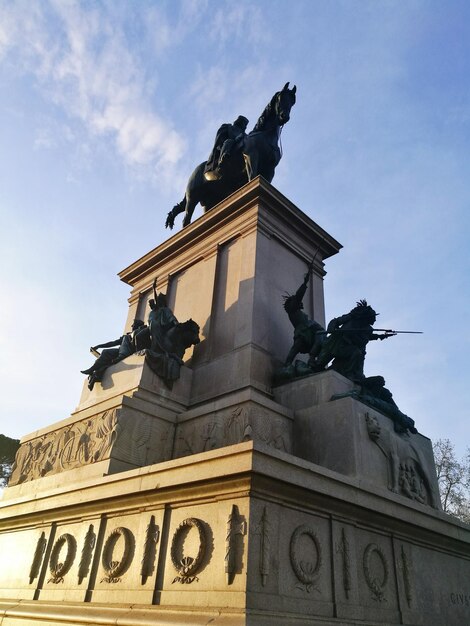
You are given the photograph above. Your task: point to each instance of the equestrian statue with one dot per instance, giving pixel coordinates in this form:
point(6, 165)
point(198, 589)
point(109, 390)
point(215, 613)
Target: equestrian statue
point(237, 157)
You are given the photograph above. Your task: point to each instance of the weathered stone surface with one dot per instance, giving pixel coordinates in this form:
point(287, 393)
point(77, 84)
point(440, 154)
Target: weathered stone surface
point(241, 535)
point(349, 437)
point(228, 272)
point(225, 501)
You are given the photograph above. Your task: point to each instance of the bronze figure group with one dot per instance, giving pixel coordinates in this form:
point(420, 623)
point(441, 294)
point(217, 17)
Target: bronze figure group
point(163, 341)
point(236, 158)
point(342, 348)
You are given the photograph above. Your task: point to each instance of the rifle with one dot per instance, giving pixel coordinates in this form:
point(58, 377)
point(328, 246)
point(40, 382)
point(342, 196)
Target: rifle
point(310, 265)
point(399, 332)
point(382, 330)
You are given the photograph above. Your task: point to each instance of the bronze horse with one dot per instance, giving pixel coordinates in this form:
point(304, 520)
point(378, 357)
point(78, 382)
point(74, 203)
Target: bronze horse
point(260, 156)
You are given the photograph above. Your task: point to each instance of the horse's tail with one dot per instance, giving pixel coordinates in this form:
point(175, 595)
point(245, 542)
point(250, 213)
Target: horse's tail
point(176, 210)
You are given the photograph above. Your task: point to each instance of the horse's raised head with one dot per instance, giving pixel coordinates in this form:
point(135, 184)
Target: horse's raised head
point(285, 100)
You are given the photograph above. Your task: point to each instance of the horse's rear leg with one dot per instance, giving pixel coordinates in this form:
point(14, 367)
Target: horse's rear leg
point(176, 210)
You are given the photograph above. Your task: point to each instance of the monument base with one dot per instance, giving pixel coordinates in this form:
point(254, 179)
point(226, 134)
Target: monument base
point(223, 500)
point(241, 535)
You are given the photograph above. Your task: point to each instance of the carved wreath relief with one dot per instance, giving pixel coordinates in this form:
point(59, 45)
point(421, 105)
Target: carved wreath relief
point(116, 568)
point(187, 566)
point(307, 572)
point(57, 566)
point(375, 583)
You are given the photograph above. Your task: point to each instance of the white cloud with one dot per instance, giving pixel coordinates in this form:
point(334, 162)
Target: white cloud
point(82, 62)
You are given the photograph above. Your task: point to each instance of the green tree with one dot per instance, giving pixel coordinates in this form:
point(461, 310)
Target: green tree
point(8, 448)
point(454, 479)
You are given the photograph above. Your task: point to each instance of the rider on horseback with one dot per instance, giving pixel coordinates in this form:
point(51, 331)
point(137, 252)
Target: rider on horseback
point(229, 139)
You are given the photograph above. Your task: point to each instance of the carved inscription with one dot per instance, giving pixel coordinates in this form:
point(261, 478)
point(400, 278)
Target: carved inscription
point(236, 528)
point(114, 569)
point(461, 599)
point(37, 558)
point(307, 571)
point(152, 536)
point(187, 566)
point(57, 567)
point(375, 582)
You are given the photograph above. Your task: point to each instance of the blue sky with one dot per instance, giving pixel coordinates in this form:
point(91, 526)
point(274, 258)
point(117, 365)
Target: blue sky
point(108, 106)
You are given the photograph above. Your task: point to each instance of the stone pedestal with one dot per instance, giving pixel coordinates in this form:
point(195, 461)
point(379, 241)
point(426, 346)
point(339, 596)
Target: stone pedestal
point(228, 271)
point(241, 535)
point(225, 501)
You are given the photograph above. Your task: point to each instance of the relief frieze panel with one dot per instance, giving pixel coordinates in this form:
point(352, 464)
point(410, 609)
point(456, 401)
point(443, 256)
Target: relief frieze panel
point(409, 471)
point(73, 446)
point(232, 426)
point(136, 439)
